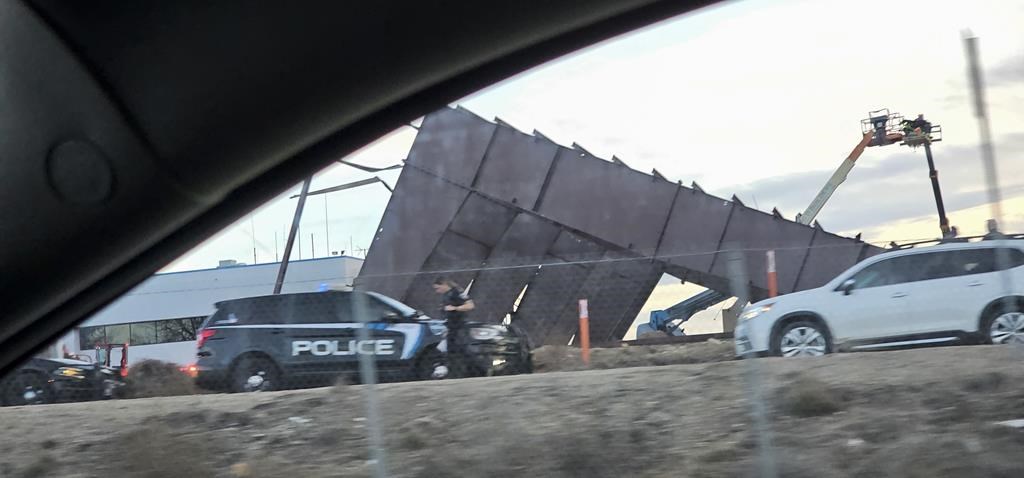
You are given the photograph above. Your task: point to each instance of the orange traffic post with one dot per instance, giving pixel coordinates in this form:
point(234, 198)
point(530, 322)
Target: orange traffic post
point(773, 281)
point(584, 333)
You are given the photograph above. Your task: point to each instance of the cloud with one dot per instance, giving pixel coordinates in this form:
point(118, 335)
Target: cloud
point(893, 188)
point(1006, 73)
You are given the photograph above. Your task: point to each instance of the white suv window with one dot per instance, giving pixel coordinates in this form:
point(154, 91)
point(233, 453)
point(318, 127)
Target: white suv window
point(964, 262)
point(934, 265)
point(886, 272)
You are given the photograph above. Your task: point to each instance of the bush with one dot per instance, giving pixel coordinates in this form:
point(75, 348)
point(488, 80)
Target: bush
point(153, 378)
point(808, 397)
point(155, 451)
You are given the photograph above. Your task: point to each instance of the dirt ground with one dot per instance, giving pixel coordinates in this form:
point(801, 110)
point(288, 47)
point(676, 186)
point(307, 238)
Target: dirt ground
point(553, 358)
point(915, 413)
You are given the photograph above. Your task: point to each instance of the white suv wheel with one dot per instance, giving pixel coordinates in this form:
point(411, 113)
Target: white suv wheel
point(802, 340)
point(1007, 328)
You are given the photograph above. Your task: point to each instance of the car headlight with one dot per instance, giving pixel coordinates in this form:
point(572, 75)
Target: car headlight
point(756, 311)
point(73, 372)
point(740, 331)
point(484, 333)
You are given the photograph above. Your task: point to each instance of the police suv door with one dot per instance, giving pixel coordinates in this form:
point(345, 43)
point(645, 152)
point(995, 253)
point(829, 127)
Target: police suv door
point(319, 334)
point(394, 339)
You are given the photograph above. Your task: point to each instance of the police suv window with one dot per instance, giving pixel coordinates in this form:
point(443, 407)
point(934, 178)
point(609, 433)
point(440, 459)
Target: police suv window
point(319, 308)
point(378, 310)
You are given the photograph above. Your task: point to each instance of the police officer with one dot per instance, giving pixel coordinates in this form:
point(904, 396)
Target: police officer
point(455, 302)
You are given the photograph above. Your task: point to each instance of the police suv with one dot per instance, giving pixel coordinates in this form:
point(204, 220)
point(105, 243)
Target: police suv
point(311, 339)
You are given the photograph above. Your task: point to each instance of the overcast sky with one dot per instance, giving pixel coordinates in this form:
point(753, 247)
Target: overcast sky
point(759, 98)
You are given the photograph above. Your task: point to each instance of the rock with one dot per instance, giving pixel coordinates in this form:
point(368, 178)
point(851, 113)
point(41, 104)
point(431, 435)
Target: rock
point(241, 470)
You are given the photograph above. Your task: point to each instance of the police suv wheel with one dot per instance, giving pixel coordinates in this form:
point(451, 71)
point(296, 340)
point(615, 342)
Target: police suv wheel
point(255, 374)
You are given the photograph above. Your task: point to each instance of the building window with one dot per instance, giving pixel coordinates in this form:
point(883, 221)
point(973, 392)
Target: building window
point(90, 337)
point(176, 330)
point(143, 333)
point(118, 334)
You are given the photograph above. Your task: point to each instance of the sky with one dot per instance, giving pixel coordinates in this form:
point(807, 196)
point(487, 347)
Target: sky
point(762, 99)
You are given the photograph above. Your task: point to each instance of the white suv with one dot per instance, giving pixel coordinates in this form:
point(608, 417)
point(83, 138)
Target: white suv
point(956, 292)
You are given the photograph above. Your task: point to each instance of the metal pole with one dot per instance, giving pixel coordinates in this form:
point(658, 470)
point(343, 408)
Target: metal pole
point(988, 155)
point(327, 226)
point(737, 270)
point(988, 162)
point(368, 375)
point(291, 236)
point(252, 229)
point(312, 246)
point(934, 175)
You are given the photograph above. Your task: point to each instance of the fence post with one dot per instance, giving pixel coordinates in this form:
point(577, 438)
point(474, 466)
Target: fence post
point(584, 332)
point(773, 280)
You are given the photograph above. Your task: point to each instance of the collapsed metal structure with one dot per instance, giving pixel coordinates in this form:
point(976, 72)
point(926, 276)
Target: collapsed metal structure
point(535, 226)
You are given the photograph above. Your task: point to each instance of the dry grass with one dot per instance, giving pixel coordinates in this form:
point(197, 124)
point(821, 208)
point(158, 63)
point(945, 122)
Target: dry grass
point(560, 358)
point(156, 451)
point(44, 465)
point(153, 378)
point(809, 397)
point(592, 453)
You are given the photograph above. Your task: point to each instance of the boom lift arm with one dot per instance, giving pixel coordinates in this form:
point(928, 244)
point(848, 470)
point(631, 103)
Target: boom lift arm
point(807, 217)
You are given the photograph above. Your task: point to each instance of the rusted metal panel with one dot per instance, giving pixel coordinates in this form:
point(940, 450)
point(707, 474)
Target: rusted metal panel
point(593, 210)
point(572, 247)
point(483, 220)
point(756, 232)
point(548, 309)
point(510, 266)
point(515, 167)
point(616, 290)
point(393, 259)
point(693, 232)
point(551, 301)
point(451, 144)
point(828, 256)
point(606, 200)
point(644, 288)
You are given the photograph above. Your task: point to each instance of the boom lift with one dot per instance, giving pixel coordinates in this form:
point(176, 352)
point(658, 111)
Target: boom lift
point(881, 128)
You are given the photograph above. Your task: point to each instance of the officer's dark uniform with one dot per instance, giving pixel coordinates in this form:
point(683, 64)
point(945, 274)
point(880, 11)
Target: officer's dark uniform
point(456, 331)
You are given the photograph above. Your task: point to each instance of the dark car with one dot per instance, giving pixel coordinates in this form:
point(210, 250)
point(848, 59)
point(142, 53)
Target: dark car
point(311, 339)
point(50, 380)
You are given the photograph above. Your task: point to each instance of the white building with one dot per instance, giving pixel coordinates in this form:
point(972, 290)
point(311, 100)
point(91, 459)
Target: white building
point(159, 317)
